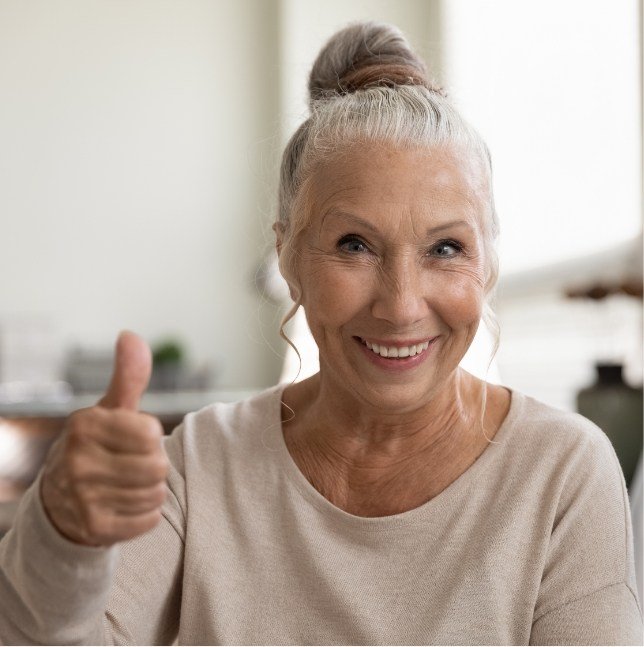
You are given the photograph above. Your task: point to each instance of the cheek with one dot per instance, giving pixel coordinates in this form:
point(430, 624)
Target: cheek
point(462, 301)
point(333, 295)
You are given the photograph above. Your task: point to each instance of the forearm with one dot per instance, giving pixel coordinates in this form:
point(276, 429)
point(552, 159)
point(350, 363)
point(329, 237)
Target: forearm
point(52, 591)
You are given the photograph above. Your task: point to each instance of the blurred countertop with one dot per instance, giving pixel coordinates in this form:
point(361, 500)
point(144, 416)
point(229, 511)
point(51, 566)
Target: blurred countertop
point(161, 403)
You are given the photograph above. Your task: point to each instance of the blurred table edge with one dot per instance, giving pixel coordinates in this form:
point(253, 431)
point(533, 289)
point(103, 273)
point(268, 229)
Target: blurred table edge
point(157, 403)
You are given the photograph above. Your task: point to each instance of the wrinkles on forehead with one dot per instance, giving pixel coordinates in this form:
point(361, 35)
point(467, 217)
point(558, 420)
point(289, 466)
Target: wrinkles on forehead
point(348, 218)
point(371, 182)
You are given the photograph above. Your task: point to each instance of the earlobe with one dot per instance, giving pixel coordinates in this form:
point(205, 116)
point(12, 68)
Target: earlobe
point(293, 291)
point(278, 228)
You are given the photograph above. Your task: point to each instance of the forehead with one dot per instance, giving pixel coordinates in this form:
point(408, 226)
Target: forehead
point(419, 182)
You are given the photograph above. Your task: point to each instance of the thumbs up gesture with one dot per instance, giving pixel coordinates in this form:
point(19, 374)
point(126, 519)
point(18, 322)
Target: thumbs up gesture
point(104, 478)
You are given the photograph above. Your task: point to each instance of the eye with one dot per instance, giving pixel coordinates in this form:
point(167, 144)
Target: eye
point(352, 245)
point(446, 249)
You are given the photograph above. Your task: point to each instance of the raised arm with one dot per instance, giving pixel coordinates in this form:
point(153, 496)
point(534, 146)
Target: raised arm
point(65, 573)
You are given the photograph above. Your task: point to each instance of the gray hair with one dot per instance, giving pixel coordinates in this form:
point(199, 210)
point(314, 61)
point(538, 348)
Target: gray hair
point(368, 87)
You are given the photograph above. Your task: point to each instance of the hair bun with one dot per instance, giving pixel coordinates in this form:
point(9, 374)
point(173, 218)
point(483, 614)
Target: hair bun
point(365, 55)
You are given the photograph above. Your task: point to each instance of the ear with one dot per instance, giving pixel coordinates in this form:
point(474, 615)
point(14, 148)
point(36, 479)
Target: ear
point(279, 229)
point(280, 232)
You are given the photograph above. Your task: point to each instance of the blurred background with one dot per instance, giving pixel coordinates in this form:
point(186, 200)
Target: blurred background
point(139, 148)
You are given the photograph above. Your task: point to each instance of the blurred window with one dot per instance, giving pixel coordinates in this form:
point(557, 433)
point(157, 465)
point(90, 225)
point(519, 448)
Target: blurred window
point(554, 89)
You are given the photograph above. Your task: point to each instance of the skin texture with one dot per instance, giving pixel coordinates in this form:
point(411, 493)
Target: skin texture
point(393, 251)
point(104, 478)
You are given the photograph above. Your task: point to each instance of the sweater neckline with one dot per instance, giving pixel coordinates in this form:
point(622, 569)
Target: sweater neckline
point(421, 514)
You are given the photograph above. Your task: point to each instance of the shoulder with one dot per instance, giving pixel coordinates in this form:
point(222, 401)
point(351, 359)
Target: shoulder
point(555, 432)
point(576, 489)
point(559, 460)
point(222, 427)
point(238, 415)
point(567, 458)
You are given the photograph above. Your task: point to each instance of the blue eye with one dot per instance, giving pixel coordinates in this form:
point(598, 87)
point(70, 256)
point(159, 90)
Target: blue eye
point(447, 249)
point(352, 244)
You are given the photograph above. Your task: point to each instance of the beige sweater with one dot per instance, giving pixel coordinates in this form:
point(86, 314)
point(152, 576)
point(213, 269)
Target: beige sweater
point(532, 544)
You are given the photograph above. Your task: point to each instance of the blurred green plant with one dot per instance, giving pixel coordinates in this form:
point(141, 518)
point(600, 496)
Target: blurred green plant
point(168, 352)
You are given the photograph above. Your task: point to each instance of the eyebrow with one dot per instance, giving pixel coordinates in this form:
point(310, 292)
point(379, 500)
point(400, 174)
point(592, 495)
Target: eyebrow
point(364, 223)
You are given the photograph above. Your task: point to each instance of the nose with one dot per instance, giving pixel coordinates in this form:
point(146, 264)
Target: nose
point(401, 298)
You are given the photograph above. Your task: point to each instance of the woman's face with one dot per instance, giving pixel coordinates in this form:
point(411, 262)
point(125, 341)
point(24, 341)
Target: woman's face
point(392, 264)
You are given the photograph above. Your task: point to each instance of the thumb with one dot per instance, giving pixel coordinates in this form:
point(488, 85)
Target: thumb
point(131, 374)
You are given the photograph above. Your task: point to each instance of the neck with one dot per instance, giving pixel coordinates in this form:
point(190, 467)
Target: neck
point(329, 421)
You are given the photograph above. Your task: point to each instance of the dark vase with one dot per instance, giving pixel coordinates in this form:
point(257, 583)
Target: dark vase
point(616, 407)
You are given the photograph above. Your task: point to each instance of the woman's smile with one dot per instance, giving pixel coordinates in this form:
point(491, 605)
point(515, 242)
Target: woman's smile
point(396, 356)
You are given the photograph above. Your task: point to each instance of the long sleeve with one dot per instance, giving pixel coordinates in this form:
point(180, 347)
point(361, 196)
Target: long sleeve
point(608, 616)
point(145, 598)
point(54, 591)
point(588, 593)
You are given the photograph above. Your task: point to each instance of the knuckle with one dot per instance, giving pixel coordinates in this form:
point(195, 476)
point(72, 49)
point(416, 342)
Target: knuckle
point(153, 519)
point(76, 425)
point(79, 425)
point(164, 462)
point(147, 432)
point(97, 525)
point(159, 468)
point(77, 466)
point(161, 491)
point(87, 497)
point(149, 443)
point(152, 500)
point(154, 430)
point(154, 425)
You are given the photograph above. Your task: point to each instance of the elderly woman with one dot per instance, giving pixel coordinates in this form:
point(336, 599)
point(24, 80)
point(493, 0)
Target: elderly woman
point(391, 498)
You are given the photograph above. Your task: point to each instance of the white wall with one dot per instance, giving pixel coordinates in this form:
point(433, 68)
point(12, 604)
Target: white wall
point(136, 154)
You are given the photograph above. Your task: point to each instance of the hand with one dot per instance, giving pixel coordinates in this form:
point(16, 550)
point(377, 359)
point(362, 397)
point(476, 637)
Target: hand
point(104, 478)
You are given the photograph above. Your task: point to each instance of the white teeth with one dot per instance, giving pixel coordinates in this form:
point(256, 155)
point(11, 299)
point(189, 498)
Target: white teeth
point(394, 351)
